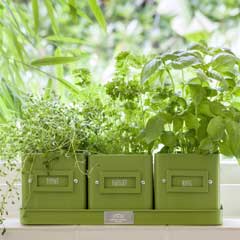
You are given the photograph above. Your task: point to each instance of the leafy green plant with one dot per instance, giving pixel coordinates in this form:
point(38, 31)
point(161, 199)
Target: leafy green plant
point(46, 125)
point(27, 47)
point(130, 99)
point(198, 101)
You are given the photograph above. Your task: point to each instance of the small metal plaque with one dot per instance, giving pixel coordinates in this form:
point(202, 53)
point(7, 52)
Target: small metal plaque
point(118, 217)
point(119, 182)
point(187, 183)
point(52, 180)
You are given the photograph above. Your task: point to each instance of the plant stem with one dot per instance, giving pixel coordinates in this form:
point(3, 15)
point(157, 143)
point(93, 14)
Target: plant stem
point(183, 80)
point(171, 78)
point(196, 114)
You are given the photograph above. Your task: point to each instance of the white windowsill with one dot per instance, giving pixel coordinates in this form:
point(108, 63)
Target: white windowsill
point(230, 230)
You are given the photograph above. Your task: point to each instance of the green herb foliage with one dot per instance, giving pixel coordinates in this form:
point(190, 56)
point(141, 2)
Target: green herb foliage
point(198, 108)
point(129, 98)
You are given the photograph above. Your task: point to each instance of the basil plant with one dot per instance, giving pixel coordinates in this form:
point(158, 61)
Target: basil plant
point(195, 108)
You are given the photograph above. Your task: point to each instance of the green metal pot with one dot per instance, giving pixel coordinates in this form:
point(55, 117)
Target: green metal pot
point(120, 181)
point(54, 181)
point(186, 181)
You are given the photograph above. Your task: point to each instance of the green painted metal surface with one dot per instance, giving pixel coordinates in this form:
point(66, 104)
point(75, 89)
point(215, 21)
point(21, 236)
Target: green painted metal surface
point(186, 181)
point(120, 190)
point(120, 181)
point(54, 181)
point(139, 217)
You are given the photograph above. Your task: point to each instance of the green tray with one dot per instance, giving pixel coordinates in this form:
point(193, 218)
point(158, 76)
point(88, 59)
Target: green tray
point(122, 217)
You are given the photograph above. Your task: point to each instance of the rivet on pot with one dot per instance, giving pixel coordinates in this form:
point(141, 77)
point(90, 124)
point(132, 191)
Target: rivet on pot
point(75, 180)
point(164, 180)
point(96, 182)
point(210, 181)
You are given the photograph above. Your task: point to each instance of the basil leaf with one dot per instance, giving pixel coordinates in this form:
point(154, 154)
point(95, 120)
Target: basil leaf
point(149, 69)
point(216, 128)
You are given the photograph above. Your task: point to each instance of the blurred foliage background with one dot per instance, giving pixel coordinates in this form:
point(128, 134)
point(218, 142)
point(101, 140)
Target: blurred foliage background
point(88, 34)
